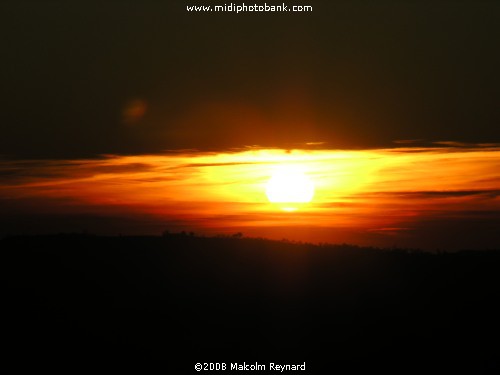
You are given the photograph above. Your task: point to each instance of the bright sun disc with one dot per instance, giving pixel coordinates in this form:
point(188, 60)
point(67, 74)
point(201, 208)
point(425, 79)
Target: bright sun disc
point(289, 184)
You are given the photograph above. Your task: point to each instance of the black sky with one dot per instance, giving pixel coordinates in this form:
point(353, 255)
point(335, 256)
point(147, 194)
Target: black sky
point(354, 73)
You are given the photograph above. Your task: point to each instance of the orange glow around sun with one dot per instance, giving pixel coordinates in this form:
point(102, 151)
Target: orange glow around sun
point(367, 193)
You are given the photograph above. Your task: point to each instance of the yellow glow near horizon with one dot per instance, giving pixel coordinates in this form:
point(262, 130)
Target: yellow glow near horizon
point(360, 192)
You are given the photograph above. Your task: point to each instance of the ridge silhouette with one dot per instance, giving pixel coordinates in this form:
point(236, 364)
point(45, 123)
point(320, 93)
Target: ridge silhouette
point(179, 299)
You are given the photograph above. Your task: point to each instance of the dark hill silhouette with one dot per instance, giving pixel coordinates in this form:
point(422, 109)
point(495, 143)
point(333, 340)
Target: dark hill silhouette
point(180, 299)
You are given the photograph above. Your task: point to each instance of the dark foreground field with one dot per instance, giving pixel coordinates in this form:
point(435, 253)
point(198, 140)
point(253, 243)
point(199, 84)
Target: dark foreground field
point(72, 301)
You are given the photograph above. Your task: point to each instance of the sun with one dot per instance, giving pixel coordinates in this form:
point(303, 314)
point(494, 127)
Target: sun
point(289, 184)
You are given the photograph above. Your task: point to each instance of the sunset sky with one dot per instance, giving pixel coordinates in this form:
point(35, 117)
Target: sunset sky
point(135, 117)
